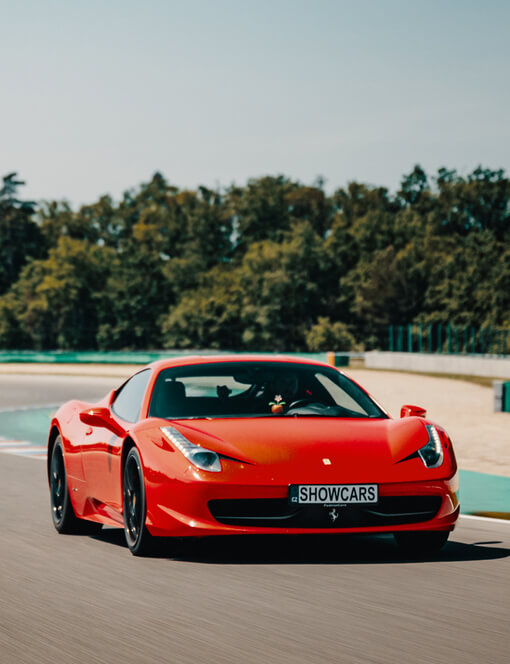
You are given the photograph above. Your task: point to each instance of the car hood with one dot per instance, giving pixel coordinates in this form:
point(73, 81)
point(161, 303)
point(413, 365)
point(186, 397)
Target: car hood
point(347, 443)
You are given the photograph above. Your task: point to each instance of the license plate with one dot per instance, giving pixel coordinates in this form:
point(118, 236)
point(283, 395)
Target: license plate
point(332, 494)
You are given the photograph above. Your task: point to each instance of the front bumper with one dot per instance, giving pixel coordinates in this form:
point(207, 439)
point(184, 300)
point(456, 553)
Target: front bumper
point(197, 509)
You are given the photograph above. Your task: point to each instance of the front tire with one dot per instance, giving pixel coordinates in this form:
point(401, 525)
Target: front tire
point(140, 542)
point(421, 543)
point(62, 512)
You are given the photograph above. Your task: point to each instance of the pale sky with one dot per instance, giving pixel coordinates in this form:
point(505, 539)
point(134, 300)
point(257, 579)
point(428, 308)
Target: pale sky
point(95, 96)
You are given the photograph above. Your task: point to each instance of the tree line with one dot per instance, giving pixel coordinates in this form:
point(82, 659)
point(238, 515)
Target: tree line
point(272, 265)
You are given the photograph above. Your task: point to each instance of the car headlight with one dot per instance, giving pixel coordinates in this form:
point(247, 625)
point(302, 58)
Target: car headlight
point(198, 456)
point(432, 453)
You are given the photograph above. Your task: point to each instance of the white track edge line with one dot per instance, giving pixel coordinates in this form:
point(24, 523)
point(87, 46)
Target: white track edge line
point(484, 518)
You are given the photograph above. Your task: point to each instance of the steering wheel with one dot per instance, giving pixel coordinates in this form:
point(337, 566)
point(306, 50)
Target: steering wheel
point(300, 402)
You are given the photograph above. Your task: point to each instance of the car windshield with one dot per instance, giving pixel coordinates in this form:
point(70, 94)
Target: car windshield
point(258, 389)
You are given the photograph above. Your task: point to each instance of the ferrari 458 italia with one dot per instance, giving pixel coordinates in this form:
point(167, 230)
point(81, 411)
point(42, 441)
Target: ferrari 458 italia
point(230, 445)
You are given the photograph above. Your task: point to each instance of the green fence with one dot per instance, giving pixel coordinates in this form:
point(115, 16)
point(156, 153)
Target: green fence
point(506, 397)
point(452, 339)
point(115, 357)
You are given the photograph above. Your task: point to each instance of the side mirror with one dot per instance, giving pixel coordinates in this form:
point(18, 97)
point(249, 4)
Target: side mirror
point(412, 411)
point(101, 417)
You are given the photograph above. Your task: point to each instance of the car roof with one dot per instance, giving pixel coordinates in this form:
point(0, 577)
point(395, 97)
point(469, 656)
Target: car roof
point(183, 360)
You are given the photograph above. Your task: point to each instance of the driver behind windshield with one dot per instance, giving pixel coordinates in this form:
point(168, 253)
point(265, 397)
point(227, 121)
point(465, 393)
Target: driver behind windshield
point(258, 389)
point(282, 390)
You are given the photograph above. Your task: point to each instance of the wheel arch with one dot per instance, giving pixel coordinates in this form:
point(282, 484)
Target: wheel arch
point(143, 542)
point(52, 437)
point(126, 446)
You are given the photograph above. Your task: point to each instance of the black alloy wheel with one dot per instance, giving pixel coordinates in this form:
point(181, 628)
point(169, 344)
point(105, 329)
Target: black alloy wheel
point(138, 538)
point(62, 512)
point(58, 488)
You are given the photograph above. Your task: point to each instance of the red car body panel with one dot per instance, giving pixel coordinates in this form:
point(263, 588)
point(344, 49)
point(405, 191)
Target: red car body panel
point(261, 457)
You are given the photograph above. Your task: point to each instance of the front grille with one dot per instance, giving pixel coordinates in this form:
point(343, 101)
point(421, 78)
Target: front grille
point(278, 513)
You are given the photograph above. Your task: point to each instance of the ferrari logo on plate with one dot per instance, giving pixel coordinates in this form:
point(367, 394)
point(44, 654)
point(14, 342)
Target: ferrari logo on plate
point(333, 515)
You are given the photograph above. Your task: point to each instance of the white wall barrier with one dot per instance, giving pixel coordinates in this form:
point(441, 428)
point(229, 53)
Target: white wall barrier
point(465, 365)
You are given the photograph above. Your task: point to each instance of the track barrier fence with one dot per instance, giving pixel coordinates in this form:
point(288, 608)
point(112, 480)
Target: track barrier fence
point(449, 338)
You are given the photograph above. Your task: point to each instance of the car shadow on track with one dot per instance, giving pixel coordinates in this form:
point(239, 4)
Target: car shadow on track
point(305, 549)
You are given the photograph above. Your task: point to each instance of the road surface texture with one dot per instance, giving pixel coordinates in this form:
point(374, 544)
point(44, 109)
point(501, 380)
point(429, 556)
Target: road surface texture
point(322, 599)
point(22, 390)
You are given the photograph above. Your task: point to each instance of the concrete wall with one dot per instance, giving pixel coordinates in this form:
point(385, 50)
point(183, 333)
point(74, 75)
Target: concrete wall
point(436, 363)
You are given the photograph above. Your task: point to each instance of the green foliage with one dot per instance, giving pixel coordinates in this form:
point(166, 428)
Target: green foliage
point(20, 236)
point(55, 302)
point(466, 283)
point(273, 265)
point(280, 284)
point(208, 316)
point(325, 335)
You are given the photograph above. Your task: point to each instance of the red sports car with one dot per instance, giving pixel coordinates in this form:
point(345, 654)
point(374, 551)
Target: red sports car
point(225, 445)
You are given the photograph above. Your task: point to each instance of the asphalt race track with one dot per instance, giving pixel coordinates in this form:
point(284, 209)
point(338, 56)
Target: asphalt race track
point(87, 600)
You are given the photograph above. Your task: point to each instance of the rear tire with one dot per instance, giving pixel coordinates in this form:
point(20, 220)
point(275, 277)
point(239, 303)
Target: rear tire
point(421, 543)
point(62, 512)
point(140, 542)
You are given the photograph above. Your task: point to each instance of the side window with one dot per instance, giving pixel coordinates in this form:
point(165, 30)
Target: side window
point(339, 395)
point(128, 401)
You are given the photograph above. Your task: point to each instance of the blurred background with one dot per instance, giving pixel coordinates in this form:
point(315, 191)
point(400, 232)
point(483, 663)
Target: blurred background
point(273, 176)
